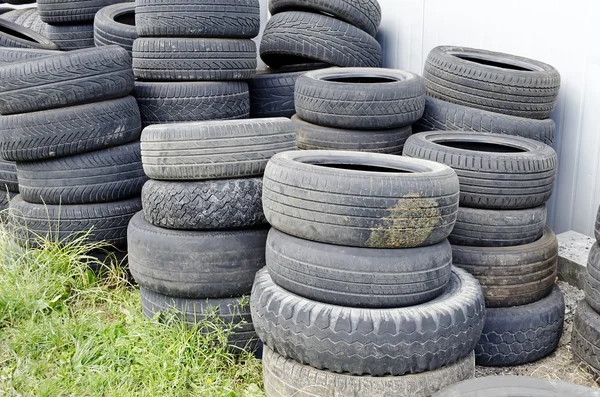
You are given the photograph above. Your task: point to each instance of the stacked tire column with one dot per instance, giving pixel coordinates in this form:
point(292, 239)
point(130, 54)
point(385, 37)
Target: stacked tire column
point(359, 297)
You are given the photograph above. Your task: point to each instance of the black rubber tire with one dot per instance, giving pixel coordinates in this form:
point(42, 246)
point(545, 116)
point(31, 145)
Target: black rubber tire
point(8, 176)
point(193, 59)
point(214, 150)
point(195, 264)
point(597, 227)
point(16, 13)
point(19, 1)
point(71, 37)
point(204, 205)
point(495, 228)
point(65, 79)
point(371, 341)
point(198, 18)
point(33, 21)
point(358, 277)
point(115, 25)
point(360, 98)
point(446, 116)
point(292, 38)
point(107, 221)
point(17, 36)
point(336, 204)
point(364, 14)
point(162, 103)
point(284, 377)
point(510, 173)
point(100, 261)
point(71, 11)
point(585, 340)
point(10, 55)
point(511, 386)
point(521, 334)
point(233, 313)
point(315, 137)
point(492, 81)
point(512, 276)
point(111, 174)
point(5, 196)
point(592, 279)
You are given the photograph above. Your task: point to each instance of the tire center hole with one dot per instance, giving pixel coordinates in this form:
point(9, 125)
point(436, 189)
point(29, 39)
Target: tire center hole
point(488, 62)
point(14, 33)
point(481, 147)
point(127, 18)
point(364, 167)
point(360, 80)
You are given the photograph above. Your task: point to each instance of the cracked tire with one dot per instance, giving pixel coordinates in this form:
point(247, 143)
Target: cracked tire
point(370, 341)
point(195, 264)
point(71, 11)
point(8, 176)
point(592, 280)
point(585, 340)
point(521, 334)
point(115, 25)
point(71, 37)
point(17, 36)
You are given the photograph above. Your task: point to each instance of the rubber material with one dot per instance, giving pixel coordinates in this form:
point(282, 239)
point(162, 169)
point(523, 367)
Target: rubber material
point(597, 227)
point(13, 35)
point(71, 37)
point(585, 340)
point(592, 279)
point(8, 176)
point(71, 11)
point(9, 54)
point(115, 25)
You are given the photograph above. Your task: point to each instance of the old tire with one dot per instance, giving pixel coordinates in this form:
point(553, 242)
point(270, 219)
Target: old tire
point(371, 341)
point(499, 83)
point(10, 54)
point(592, 280)
point(115, 25)
point(585, 340)
point(512, 276)
point(71, 37)
point(495, 171)
point(17, 36)
point(521, 334)
point(359, 198)
point(194, 264)
point(214, 150)
point(8, 176)
point(597, 227)
point(71, 11)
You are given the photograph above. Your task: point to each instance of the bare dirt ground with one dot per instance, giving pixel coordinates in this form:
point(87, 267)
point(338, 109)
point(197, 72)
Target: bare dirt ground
point(560, 365)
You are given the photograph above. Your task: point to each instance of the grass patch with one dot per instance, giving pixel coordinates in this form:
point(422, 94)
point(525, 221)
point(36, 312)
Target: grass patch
point(66, 332)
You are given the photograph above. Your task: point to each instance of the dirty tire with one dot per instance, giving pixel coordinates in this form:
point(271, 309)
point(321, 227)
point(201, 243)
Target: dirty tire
point(233, 312)
point(193, 59)
point(364, 14)
point(446, 116)
point(284, 377)
point(195, 264)
point(214, 150)
point(71, 37)
point(65, 79)
point(521, 334)
point(372, 341)
point(358, 277)
point(315, 137)
point(162, 103)
point(5, 197)
point(71, 11)
point(8, 176)
point(10, 55)
point(111, 174)
point(292, 38)
point(212, 205)
point(597, 227)
point(592, 280)
point(100, 261)
point(193, 18)
point(498, 228)
point(495, 171)
point(512, 276)
point(360, 208)
point(499, 83)
point(585, 340)
point(108, 221)
point(17, 36)
point(115, 25)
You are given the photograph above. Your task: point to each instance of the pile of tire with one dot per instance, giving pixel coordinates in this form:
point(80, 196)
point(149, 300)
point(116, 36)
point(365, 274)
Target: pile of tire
point(115, 25)
point(74, 134)
point(303, 35)
point(193, 57)
point(23, 28)
point(201, 237)
point(359, 296)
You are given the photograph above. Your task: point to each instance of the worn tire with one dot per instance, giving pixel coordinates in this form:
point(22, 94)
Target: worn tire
point(512, 276)
point(10, 54)
point(71, 11)
point(214, 150)
point(358, 277)
point(592, 280)
point(336, 204)
point(5, 197)
point(492, 81)
point(65, 79)
point(8, 176)
point(195, 264)
point(358, 98)
point(315, 137)
point(370, 341)
point(585, 340)
point(495, 228)
point(194, 18)
point(193, 59)
point(17, 36)
point(495, 171)
point(162, 103)
point(292, 38)
point(521, 334)
point(71, 37)
point(284, 377)
point(597, 227)
point(115, 25)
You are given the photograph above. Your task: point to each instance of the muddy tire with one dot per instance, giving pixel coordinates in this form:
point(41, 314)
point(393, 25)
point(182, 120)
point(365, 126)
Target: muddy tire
point(585, 340)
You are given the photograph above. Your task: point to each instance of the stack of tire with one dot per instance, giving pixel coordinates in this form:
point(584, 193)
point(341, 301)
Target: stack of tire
point(500, 235)
point(24, 29)
point(201, 236)
point(193, 57)
point(74, 134)
point(26, 17)
point(359, 297)
point(115, 25)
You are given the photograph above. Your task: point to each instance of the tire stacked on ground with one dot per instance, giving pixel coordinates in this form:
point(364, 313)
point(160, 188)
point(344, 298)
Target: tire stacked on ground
point(201, 236)
point(115, 25)
point(15, 35)
point(193, 57)
point(74, 134)
point(28, 18)
point(359, 285)
point(500, 237)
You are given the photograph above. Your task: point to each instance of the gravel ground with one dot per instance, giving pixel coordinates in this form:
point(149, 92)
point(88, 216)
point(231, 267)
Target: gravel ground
point(560, 365)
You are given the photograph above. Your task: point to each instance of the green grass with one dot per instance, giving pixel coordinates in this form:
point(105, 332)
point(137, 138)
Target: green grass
point(66, 332)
